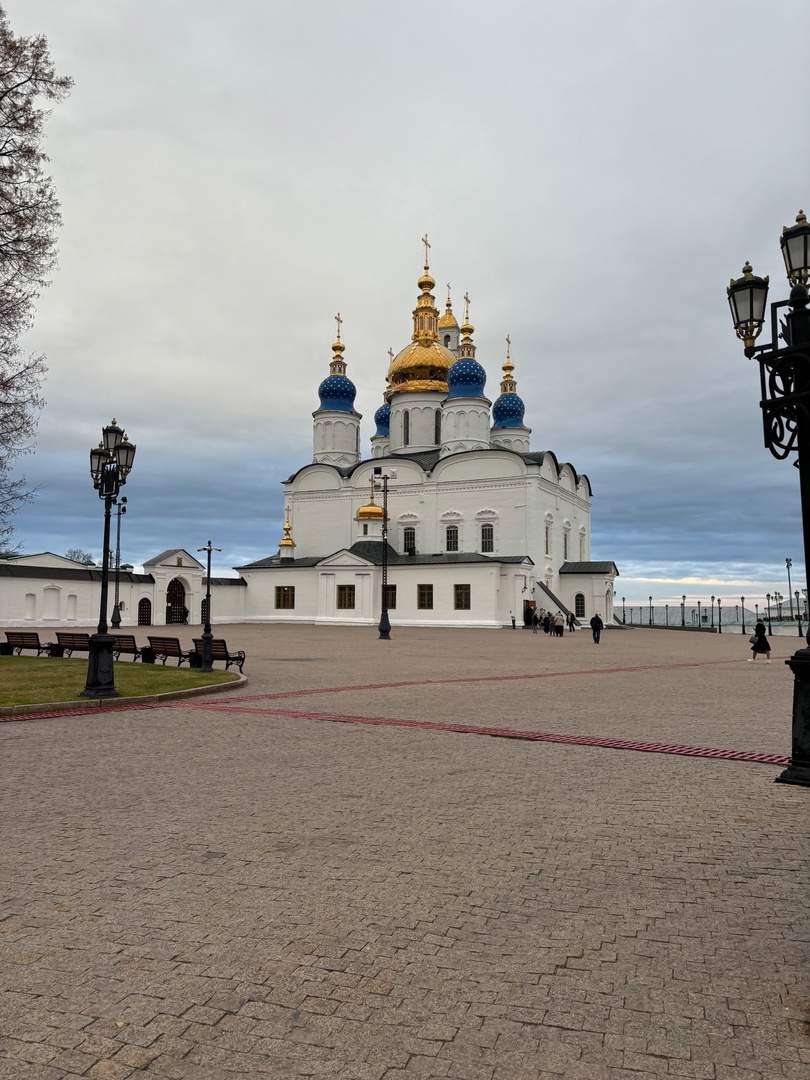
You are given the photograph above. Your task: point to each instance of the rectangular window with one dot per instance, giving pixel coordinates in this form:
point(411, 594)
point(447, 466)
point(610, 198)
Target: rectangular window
point(345, 597)
point(424, 597)
point(565, 545)
point(548, 539)
point(285, 596)
point(391, 597)
point(461, 595)
point(452, 538)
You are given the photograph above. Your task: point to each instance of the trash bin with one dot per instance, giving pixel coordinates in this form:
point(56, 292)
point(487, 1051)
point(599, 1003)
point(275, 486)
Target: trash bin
point(55, 650)
point(147, 655)
point(194, 659)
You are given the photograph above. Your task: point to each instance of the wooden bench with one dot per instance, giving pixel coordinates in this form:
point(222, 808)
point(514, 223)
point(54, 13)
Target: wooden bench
point(26, 639)
point(125, 643)
point(68, 642)
point(164, 647)
point(219, 651)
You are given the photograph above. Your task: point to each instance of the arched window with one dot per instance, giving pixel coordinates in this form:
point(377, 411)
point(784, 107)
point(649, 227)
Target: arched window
point(447, 341)
point(452, 538)
point(437, 427)
point(579, 606)
point(487, 537)
point(566, 544)
point(409, 539)
point(406, 428)
point(548, 538)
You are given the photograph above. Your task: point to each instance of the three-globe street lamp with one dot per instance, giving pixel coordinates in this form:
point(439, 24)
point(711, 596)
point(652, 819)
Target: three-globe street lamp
point(110, 465)
point(385, 622)
point(120, 508)
point(784, 369)
point(207, 637)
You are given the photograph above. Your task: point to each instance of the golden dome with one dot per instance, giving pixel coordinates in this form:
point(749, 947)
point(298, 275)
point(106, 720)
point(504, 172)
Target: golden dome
point(372, 512)
point(422, 366)
point(448, 319)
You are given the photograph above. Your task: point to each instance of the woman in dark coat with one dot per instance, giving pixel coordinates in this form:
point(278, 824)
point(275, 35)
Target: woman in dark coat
point(761, 643)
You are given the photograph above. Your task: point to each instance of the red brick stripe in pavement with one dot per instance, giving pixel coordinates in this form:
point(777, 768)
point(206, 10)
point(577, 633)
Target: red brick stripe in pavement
point(232, 705)
point(506, 733)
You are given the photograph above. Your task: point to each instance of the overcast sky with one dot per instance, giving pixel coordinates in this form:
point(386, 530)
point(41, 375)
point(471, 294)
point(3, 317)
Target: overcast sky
point(232, 175)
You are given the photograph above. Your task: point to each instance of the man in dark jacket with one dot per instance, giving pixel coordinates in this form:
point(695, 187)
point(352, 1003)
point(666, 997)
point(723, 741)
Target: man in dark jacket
point(596, 626)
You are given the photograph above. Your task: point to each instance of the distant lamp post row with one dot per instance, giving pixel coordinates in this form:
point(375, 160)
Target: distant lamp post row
point(110, 465)
point(784, 369)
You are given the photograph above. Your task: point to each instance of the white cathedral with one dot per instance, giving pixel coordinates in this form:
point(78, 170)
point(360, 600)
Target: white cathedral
point(480, 529)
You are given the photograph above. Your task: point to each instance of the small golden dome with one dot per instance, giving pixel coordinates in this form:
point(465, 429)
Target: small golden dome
point(448, 319)
point(372, 512)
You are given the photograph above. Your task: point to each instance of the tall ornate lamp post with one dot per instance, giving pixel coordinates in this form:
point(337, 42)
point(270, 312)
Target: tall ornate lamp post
point(712, 613)
point(683, 611)
point(719, 617)
point(784, 369)
point(120, 508)
point(385, 622)
point(742, 608)
point(768, 598)
point(788, 564)
point(624, 614)
point(110, 465)
point(207, 637)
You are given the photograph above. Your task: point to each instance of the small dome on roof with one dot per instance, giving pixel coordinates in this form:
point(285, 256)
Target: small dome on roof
point(337, 392)
point(382, 418)
point(466, 378)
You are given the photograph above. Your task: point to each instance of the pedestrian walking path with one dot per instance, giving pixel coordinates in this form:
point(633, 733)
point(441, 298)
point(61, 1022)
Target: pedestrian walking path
point(325, 876)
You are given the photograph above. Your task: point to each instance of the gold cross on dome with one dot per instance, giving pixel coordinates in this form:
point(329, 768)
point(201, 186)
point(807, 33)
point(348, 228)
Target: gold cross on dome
point(390, 354)
point(448, 290)
point(466, 307)
point(427, 247)
point(339, 322)
point(508, 344)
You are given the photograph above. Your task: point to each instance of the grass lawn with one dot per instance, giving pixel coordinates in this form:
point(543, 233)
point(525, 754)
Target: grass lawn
point(34, 680)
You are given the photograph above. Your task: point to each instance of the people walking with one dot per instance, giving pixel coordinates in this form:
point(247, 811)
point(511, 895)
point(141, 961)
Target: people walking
point(535, 620)
point(559, 624)
point(597, 626)
point(571, 622)
point(760, 643)
point(547, 623)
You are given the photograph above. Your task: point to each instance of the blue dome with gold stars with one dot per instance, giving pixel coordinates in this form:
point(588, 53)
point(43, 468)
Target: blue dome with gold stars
point(382, 418)
point(508, 411)
point(466, 378)
point(337, 393)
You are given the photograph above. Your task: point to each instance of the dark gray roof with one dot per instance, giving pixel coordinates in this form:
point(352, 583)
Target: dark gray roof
point(589, 568)
point(67, 573)
point(371, 551)
point(225, 581)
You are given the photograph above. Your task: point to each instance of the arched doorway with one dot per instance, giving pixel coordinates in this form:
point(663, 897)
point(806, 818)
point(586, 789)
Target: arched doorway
point(176, 610)
point(145, 612)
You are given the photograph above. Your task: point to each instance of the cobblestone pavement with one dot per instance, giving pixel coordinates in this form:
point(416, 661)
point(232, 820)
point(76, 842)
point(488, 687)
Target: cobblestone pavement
point(224, 889)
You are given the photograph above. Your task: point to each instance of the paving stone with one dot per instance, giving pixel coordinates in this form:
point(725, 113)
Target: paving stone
point(238, 887)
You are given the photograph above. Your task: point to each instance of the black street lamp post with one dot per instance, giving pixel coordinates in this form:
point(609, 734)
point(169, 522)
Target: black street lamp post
point(788, 564)
point(624, 614)
point(784, 369)
point(742, 608)
point(699, 622)
point(798, 613)
point(120, 508)
point(385, 622)
point(207, 637)
point(110, 465)
point(650, 611)
point(768, 598)
point(719, 617)
point(666, 609)
point(683, 611)
point(712, 613)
